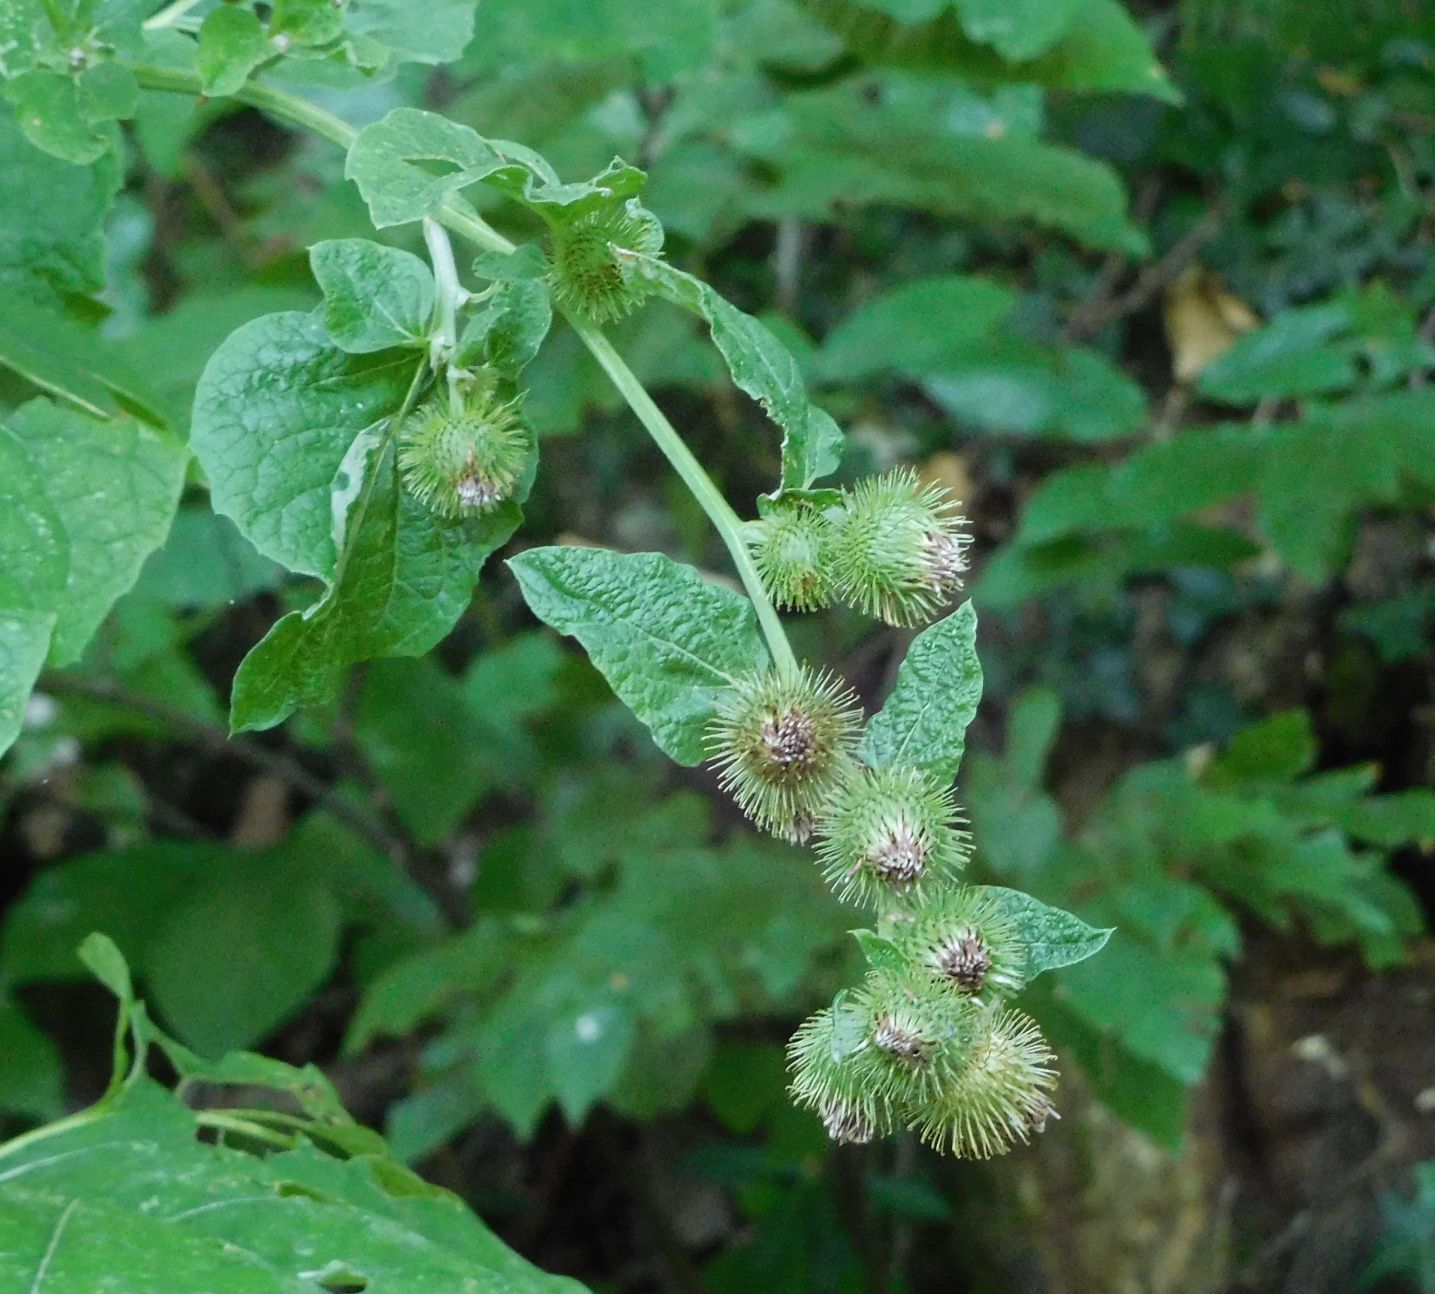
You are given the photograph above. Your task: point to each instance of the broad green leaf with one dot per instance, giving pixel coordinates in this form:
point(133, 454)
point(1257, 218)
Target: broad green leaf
point(280, 932)
point(586, 1053)
point(1293, 355)
point(919, 327)
point(48, 104)
point(277, 410)
point(31, 1079)
point(1162, 1004)
point(435, 32)
point(307, 22)
point(1053, 938)
point(1012, 385)
point(508, 329)
point(525, 262)
point(61, 357)
point(923, 722)
point(411, 162)
point(1281, 748)
point(24, 643)
point(403, 578)
point(64, 252)
point(126, 894)
point(129, 1189)
point(232, 43)
point(114, 487)
point(32, 533)
point(667, 641)
point(375, 297)
point(1101, 49)
point(892, 141)
point(764, 368)
point(1017, 29)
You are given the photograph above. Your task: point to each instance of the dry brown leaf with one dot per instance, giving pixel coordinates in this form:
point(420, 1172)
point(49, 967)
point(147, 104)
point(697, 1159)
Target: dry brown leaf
point(1203, 321)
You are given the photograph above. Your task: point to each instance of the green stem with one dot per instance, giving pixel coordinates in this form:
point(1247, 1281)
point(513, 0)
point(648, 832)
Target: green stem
point(169, 15)
point(448, 292)
point(289, 107)
point(693, 475)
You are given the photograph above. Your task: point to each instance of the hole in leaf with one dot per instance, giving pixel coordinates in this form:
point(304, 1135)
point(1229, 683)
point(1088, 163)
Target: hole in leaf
point(438, 167)
point(338, 1277)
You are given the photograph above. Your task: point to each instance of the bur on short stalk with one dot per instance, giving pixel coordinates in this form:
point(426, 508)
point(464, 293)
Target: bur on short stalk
point(888, 832)
point(590, 273)
point(783, 743)
point(791, 550)
point(1000, 1096)
point(467, 461)
point(964, 939)
point(898, 552)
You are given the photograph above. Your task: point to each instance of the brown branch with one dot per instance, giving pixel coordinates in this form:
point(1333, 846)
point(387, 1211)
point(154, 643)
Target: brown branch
point(1103, 308)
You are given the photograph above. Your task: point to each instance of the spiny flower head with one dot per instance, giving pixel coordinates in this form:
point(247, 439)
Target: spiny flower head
point(966, 941)
point(831, 1076)
point(790, 548)
point(919, 1034)
point(898, 552)
point(464, 462)
point(1000, 1096)
point(888, 832)
point(783, 743)
point(589, 272)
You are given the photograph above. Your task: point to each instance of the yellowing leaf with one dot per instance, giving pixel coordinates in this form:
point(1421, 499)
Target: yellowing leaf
point(1203, 321)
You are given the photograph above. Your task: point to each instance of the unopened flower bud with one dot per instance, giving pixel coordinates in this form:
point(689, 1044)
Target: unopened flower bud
point(965, 940)
point(1000, 1096)
point(783, 743)
point(887, 832)
point(790, 548)
point(898, 552)
point(591, 271)
point(832, 1076)
point(466, 462)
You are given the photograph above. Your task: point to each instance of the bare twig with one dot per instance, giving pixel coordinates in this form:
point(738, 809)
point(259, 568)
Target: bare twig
point(1101, 309)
